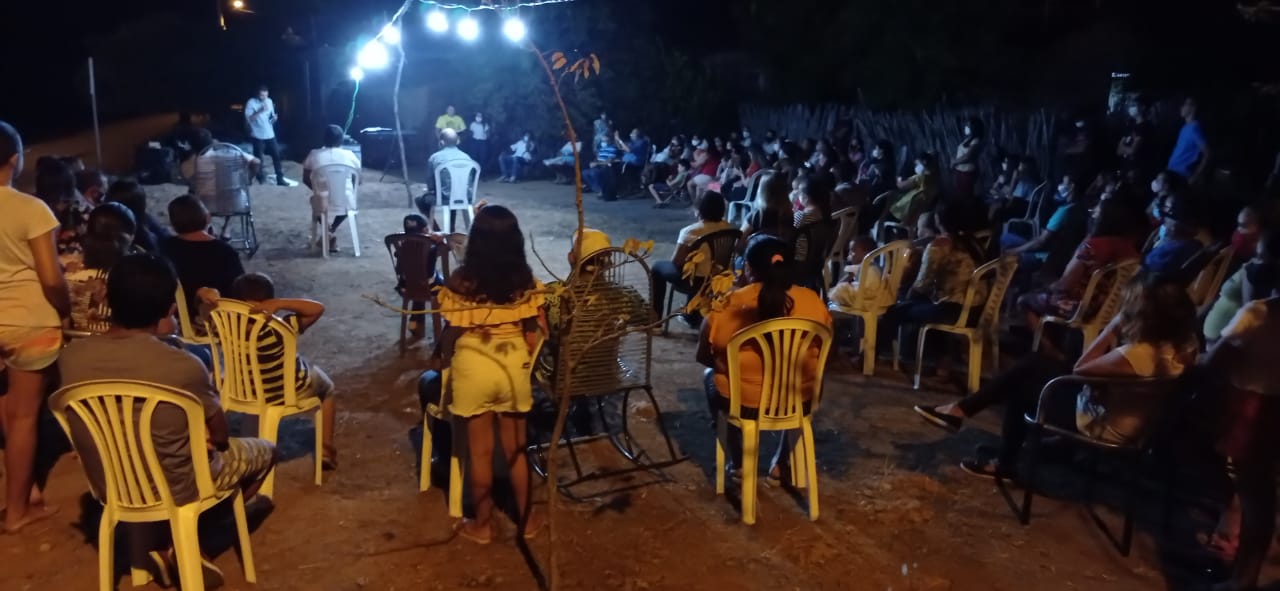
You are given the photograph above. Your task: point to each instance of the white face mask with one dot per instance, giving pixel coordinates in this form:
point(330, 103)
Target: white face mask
point(876, 153)
point(746, 135)
point(919, 169)
point(1156, 187)
point(1079, 124)
point(1133, 111)
point(1063, 192)
point(479, 118)
point(968, 131)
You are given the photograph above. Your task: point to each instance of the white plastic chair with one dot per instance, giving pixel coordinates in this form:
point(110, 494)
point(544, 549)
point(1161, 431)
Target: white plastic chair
point(1035, 203)
point(115, 413)
point(988, 327)
point(1097, 307)
point(342, 182)
point(892, 259)
point(464, 181)
point(235, 331)
point(738, 210)
point(784, 345)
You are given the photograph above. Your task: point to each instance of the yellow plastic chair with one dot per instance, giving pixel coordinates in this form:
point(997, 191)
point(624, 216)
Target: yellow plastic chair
point(847, 219)
point(1209, 280)
point(114, 413)
point(235, 330)
point(441, 412)
point(187, 328)
point(988, 327)
point(1098, 304)
point(893, 259)
point(784, 344)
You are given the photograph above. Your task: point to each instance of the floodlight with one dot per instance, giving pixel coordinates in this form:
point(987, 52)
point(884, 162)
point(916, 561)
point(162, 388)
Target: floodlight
point(437, 21)
point(390, 34)
point(514, 29)
point(374, 56)
point(357, 74)
point(468, 29)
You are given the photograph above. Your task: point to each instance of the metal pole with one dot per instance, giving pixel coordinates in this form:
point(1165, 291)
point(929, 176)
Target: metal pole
point(93, 100)
point(395, 107)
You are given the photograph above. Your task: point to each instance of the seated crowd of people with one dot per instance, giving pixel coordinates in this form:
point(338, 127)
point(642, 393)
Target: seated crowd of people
point(1055, 235)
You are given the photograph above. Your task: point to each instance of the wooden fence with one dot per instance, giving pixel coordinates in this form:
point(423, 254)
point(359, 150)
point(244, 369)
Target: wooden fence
point(938, 130)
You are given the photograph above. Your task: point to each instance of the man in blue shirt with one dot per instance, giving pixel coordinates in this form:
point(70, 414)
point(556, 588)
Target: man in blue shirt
point(636, 150)
point(1191, 153)
point(600, 176)
point(1179, 244)
point(1051, 249)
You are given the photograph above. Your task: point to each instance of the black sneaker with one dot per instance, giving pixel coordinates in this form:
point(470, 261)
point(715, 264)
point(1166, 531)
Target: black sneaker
point(943, 420)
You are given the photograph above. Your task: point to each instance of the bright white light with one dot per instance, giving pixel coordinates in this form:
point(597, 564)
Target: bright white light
point(374, 56)
point(437, 21)
point(468, 29)
point(237, 4)
point(514, 29)
point(390, 35)
point(357, 74)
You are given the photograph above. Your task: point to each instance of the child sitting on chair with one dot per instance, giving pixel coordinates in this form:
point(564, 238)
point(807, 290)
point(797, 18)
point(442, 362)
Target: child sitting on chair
point(664, 192)
point(299, 314)
point(861, 282)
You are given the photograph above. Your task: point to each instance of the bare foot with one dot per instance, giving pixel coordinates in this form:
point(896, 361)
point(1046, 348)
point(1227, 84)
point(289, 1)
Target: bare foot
point(472, 530)
point(951, 409)
point(34, 514)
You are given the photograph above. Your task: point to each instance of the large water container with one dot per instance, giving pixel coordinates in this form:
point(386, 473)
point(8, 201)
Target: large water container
point(221, 180)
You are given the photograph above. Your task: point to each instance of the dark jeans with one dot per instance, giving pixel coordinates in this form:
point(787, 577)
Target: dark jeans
point(510, 166)
point(263, 148)
point(602, 180)
point(917, 310)
point(1019, 389)
point(662, 275)
point(719, 405)
point(479, 152)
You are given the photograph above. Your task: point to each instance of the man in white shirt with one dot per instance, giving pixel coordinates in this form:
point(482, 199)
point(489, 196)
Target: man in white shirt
point(260, 114)
point(322, 197)
point(202, 171)
point(521, 155)
point(447, 153)
point(479, 144)
point(562, 162)
point(772, 145)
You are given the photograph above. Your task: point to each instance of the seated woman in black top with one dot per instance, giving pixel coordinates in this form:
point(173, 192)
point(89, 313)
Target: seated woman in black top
point(200, 259)
point(150, 233)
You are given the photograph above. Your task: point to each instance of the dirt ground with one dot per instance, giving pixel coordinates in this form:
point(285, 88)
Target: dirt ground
point(896, 512)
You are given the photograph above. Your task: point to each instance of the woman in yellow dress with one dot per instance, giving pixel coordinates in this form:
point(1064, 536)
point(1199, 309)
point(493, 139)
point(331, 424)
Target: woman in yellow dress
point(494, 310)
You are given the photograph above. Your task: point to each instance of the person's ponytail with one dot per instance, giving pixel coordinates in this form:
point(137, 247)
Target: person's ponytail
point(770, 261)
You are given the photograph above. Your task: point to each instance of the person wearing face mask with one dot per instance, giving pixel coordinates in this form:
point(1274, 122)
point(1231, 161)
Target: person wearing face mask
point(521, 155)
point(965, 166)
point(1163, 188)
point(746, 137)
point(1078, 158)
point(1051, 249)
point(917, 194)
point(479, 143)
point(635, 150)
point(772, 146)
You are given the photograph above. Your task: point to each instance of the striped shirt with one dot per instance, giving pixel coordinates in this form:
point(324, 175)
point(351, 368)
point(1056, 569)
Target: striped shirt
point(271, 360)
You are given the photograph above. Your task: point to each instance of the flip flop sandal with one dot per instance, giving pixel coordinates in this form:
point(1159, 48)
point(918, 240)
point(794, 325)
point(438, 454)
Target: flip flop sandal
point(532, 532)
point(329, 458)
point(161, 569)
point(460, 528)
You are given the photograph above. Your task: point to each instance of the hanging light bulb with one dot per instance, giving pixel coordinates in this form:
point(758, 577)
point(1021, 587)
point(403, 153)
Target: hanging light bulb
point(437, 21)
point(390, 34)
point(374, 56)
point(514, 29)
point(468, 28)
point(356, 73)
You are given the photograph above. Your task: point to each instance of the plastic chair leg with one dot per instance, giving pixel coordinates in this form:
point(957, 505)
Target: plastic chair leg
point(319, 423)
point(750, 463)
point(268, 428)
point(324, 235)
point(355, 234)
point(186, 546)
point(975, 362)
point(869, 344)
point(139, 577)
point(404, 327)
point(799, 468)
point(242, 532)
point(722, 438)
point(811, 466)
point(107, 552)
point(995, 354)
point(666, 324)
point(924, 330)
point(1035, 342)
point(424, 475)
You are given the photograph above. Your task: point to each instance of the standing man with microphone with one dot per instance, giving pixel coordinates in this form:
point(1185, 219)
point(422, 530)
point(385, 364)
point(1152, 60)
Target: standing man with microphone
point(260, 114)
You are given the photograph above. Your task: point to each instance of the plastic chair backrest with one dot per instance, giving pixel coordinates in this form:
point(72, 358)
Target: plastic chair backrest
point(414, 258)
point(1105, 284)
point(989, 320)
point(1209, 280)
point(461, 173)
point(977, 278)
point(188, 328)
point(223, 187)
point(116, 414)
point(785, 344)
point(897, 258)
point(235, 330)
point(847, 219)
point(754, 183)
point(721, 245)
point(818, 238)
point(343, 184)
